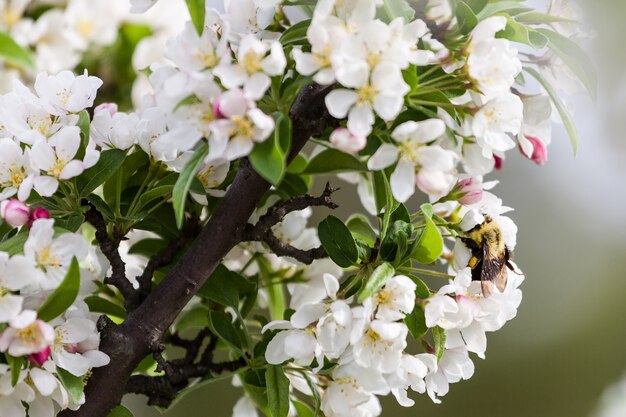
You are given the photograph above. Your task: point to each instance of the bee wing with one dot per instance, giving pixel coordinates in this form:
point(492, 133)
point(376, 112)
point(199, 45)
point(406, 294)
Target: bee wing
point(493, 271)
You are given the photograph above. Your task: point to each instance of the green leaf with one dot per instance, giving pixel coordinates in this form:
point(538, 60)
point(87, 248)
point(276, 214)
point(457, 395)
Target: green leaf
point(466, 17)
point(148, 247)
point(277, 391)
point(120, 411)
point(73, 384)
point(222, 326)
point(574, 57)
point(296, 34)
point(333, 160)
point(538, 18)
point(15, 244)
point(83, 124)
point(518, 32)
point(95, 176)
point(63, 296)
point(14, 54)
point(223, 287)
point(568, 122)
point(268, 157)
point(439, 337)
point(197, 11)
point(98, 304)
point(376, 280)
point(16, 364)
point(395, 243)
point(195, 317)
point(303, 410)
point(429, 245)
point(360, 228)
point(154, 194)
point(398, 8)
point(421, 290)
point(338, 242)
point(509, 7)
point(416, 322)
point(179, 194)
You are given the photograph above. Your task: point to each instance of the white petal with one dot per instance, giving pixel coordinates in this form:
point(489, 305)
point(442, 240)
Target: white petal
point(384, 157)
point(339, 102)
point(403, 181)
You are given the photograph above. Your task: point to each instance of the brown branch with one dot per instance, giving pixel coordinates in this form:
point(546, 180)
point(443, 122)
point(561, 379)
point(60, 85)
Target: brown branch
point(110, 248)
point(127, 344)
point(262, 230)
point(179, 373)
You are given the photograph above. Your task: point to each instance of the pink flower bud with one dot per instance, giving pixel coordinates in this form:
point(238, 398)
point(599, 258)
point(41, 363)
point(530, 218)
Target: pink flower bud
point(71, 347)
point(472, 190)
point(40, 357)
point(38, 213)
point(109, 107)
point(15, 212)
point(346, 141)
point(498, 162)
point(540, 151)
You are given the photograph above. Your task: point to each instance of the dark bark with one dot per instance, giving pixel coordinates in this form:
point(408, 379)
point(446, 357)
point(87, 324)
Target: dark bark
point(142, 331)
point(262, 230)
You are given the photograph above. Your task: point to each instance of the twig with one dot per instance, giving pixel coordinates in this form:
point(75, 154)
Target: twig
point(262, 230)
point(109, 247)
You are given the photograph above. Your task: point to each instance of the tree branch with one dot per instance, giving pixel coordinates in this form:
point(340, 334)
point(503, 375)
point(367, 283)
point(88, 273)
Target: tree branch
point(139, 335)
point(262, 230)
point(109, 247)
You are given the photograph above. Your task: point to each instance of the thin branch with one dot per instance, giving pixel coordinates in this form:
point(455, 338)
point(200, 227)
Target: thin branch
point(179, 373)
point(262, 230)
point(110, 249)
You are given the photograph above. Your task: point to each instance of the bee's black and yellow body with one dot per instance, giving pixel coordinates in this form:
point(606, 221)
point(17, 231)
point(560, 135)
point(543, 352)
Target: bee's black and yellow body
point(490, 256)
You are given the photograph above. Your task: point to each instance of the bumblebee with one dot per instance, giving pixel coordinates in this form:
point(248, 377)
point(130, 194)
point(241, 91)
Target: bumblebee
point(490, 256)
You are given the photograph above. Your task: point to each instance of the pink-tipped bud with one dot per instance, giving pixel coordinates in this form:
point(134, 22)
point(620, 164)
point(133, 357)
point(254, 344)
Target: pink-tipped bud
point(109, 107)
point(540, 151)
point(498, 162)
point(40, 357)
point(472, 190)
point(71, 347)
point(231, 103)
point(15, 212)
point(38, 213)
point(346, 141)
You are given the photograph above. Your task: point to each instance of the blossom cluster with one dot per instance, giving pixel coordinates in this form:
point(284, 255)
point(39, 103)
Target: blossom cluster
point(47, 349)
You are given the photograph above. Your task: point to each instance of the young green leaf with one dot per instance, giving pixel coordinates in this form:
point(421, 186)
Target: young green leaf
point(197, 11)
point(376, 280)
point(15, 244)
point(98, 304)
point(222, 326)
point(569, 124)
point(73, 384)
point(360, 228)
point(277, 391)
point(398, 8)
point(439, 337)
point(95, 176)
point(332, 160)
point(429, 244)
point(63, 296)
point(338, 242)
point(222, 287)
point(14, 54)
point(296, 34)
point(416, 322)
point(120, 411)
point(518, 32)
point(16, 364)
point(179, 194)
point(268, 157)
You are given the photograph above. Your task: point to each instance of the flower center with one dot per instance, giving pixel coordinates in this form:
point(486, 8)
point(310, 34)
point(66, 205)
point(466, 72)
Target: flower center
point(42, 124)
point(57, 168)
point(373, 59)
point(243, 127)
point(205, 175)
point(366, 94)
point(322, 57)
point(85, 27)
point(251, 62)
point(29, 335)
point(210, 60)
point(45, 259)
point(16, 176)
point(410, 151)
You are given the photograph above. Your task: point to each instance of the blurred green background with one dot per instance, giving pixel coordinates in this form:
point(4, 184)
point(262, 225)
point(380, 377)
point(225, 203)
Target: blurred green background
point(568, 343)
